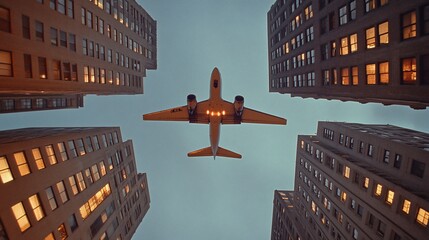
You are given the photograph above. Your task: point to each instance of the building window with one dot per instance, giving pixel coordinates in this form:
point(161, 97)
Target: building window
point(54, 36)
point(383, 33)
point(370, 38)
point(409, 25)
point(80, 181)
point(6, 63)
point(386, 156)
point(366, 183)
point(63, 39)
point(96, 143)
point(406, 206)
point(346, 173)
point(21, 216)
point(22, 164)
point(56, 69)
point(370, 150)
point(353, 43)
point(72, 223)
point(37, 207)
point(5, 173)
point(74, 72)
point(72, 148)
point(50, 236)
point(80, 147)
point(409, 70)
point(70, 8)
point(369, 5)
point(390, 196)
point(345, 78)
point(423, 217)
point(66, 71)
point(28, 66)
point(383, 71)
point(342, 13)
point(418, 168)
point(344, 50)
point(51, 154)
point(95, 173)
point(25, 26)
point(397, 161)
point(51, 198)
point(43, 71)
point(73, 185)
point(38, 158)
point(62, 231)
point(39, 31)
point(4, 19)
point(62, 191)
point(89, 19)
point(378, 190)
point(370, 74)
point(72, 42)
point(381, 229)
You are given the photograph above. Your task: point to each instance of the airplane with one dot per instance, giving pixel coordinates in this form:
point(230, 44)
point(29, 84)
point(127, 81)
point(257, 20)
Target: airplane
point(214, 111)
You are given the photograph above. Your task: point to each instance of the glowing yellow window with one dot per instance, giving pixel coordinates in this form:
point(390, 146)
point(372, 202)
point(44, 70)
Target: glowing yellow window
point(366, 183)
point(21, 162)
point(343, 196)
point(37, 208)
point(390, 196)
point(378, 190)
point(406, 206)
point(5, 173)
point(423, 217)
point(346, 172)
point(21, 216)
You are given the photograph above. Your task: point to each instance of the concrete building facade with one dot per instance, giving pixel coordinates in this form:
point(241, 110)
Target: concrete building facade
point(75, 183)
point(350, 50)
point(357, 181)
point(74, 47)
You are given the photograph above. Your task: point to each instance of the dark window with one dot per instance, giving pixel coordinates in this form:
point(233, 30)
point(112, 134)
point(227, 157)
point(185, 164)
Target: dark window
point(72, 42)
point(73, 223)
point(25, 27)
point(70, 8)
point(54, 36)
point(397, 162)
point(63, 39)
point(74, 72)
point(61, 6)
point(381, 229)
point(409, 25)
point(66, 71)
point(6, 63)
point(39, 31)
point(4, 19)
point(418, 168)
point(56, 69)
point(425, 23)
point(28, 66)
point(424, 63)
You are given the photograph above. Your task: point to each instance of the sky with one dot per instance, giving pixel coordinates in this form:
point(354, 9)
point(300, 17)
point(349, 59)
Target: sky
point(202, 198)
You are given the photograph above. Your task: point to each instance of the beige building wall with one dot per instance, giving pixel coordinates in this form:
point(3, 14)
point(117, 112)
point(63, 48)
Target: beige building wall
point(76, 183)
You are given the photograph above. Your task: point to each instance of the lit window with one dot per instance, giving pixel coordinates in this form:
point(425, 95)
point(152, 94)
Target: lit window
point(423, 217)
point(378, 190)
point(343, 196)
point(22, 164)
point(409, 71)
point(49, 237)
point(370, 150)
point(51, 154)
point(38, 158)
point(383, 69)
point(102, 168)
point(390, 196)
point(347, 172)
point(62, 231)
point(370, 74)
point(355, 81)
point(73, 185)
point(95, 173)
point(5, 63)
point(383, 33)
point(5, 173)
point(369, 5)
point(386, 156)
point(21, 216)
point(36, 206)
point(62, 190)
point(344, 50)
point(80, 181)
point(345, 78)
point(409, 25)
point(63, 152)
point(43, 70)
point(353, 43)
point(406, 206)
point(366, 183)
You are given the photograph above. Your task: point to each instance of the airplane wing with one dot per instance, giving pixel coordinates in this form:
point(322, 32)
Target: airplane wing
point(253, 116)
point(249, 116)
point(178, 114)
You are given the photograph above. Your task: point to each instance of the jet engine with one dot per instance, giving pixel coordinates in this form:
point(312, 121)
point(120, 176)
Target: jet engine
point(239, 105)
point(191, 103)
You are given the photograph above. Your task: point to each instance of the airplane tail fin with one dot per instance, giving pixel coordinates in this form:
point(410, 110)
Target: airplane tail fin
point(207, 152)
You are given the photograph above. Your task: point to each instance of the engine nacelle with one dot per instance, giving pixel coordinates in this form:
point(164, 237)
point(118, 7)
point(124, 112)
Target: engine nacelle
point(239, 105)
point(191, 103)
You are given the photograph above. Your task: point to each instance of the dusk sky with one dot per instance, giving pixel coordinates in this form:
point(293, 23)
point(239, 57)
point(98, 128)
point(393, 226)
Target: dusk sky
point(202, 198)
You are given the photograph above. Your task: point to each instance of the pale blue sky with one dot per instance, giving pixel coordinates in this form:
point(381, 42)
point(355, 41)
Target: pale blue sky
point(199, 198)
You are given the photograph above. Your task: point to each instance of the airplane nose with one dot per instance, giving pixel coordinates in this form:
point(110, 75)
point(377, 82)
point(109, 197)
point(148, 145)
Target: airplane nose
point(215, 73)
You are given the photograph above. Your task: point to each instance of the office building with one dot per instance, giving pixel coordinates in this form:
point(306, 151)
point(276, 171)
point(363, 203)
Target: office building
point(69, 183)
point(350, 50)
point(357, 181)
point(72, 47)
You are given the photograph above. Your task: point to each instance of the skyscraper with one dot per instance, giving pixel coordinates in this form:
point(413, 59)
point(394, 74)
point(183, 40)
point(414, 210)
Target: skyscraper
point(76, 183)
point(349, 50)
point(71, 48)
point(357, 181)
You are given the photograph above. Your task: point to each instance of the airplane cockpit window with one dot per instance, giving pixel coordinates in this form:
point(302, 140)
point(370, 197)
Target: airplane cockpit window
point(215, 83)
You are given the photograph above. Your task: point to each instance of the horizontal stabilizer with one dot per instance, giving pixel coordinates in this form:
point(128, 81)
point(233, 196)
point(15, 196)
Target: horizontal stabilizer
point(207, 152)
